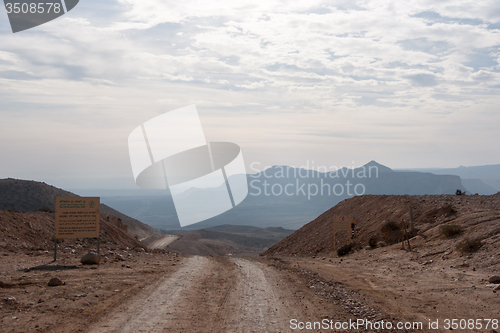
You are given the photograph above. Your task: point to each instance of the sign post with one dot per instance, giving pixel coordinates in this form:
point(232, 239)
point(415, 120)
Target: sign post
point(341, 222)
point(77, 217)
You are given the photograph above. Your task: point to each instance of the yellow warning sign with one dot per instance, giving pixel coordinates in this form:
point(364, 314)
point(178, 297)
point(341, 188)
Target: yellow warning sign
point(77, 217)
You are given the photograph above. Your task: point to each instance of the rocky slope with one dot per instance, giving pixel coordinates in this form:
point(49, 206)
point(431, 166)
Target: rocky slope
point(27, 196)
point(34, 231)
point(478, 216)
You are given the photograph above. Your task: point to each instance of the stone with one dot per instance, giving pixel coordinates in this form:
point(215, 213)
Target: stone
point(10, 300)
point(90, 259)
point(494, 279)
point(54, 282)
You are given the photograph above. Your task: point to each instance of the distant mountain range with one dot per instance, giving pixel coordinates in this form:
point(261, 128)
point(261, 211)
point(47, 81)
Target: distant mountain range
point(280, 196)
point(483, 179)
point(289, 197)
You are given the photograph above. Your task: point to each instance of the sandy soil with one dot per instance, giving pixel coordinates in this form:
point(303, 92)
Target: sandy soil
point(410, 286)
point(136, 291)
point(28, 304)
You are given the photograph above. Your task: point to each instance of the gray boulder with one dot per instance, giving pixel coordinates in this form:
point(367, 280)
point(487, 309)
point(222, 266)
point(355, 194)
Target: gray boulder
point(55, 282)
point(494, 279)
point(90, 259)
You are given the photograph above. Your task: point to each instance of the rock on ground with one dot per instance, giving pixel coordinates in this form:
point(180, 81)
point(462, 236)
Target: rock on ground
point(10, 301)
point(494, 279)
point(90, 259)
point(55, 282)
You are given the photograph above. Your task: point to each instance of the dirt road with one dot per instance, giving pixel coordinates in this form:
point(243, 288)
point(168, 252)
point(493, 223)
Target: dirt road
point(163, 242)
point(149, 311)
point(211, 294)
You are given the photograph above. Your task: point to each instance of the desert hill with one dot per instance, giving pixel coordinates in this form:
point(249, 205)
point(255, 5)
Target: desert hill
point(34, 231)
point(244, 230)
point(477, 216)
point(222, 240)
point(27, 196)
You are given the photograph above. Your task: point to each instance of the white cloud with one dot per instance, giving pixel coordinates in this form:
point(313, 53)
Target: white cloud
point(270, 75)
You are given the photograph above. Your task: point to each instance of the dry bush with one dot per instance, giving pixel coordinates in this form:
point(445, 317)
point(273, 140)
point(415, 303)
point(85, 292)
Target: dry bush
point(45, 209)
point(445, 211)
point(451, 230)
point(469, 245)
point(448, 210)
point(373, 241)
point(391, 232)
point(345, 249)
point(389, 227)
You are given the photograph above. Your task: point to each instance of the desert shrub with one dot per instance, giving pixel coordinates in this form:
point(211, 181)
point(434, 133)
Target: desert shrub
point(389, 227)
point(450, 230)
point(448, 210)
point(469, 245)
point(45, 209)
point(373, 241)
point(391, 232)
point(345, 249)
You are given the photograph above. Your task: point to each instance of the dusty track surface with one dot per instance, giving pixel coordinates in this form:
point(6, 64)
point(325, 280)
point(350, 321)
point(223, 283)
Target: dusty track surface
point(213, 294)
point(152, 309)
point(163, 293)
point(163, 242)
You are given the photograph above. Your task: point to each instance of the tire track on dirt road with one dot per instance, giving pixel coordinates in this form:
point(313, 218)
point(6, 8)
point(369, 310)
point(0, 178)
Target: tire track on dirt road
point(266, 299)
point(254, 303)
point(149, 311)
point(219, 294)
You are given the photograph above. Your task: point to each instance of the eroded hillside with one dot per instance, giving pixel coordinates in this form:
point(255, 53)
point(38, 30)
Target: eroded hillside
point(478, 216)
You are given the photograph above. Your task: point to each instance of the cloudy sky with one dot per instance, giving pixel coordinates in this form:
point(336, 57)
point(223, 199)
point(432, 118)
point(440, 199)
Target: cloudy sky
point(335, 83)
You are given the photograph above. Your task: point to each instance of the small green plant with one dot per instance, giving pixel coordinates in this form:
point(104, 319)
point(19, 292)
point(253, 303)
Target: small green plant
point(469, 245)
point(373, 241)
point(345, 249)
point(451, 230)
